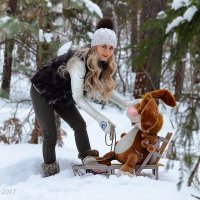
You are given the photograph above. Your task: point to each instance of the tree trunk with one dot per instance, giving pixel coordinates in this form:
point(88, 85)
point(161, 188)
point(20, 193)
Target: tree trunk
point(9, 45)
point(194, 171)
point(134, 28)
point(44, 53)
point(148, 75)
point(179, 79)
point(37, 131)
point(7, 68)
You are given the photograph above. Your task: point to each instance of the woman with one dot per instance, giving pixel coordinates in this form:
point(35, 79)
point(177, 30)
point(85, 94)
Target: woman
point(66, 81)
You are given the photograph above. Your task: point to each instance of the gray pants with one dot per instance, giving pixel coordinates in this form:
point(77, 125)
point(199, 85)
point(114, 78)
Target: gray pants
point(46, 118)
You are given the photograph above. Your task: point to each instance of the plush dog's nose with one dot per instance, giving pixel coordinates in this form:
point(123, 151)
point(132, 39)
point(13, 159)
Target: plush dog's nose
point(132, 112)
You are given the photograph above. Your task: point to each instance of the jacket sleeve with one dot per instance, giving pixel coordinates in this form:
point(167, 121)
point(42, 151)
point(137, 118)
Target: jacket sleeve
point(119, 100)
point(77, 70)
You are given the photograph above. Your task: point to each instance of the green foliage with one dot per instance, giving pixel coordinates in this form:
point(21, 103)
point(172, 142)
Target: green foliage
point(188, 159)
point(185, 34)
point(180, 37)
point(4, 94)
point(71, 8)
point(14, 27)
point(154, 28)
point(80, 19)
point(21, 68)
point(185, 141)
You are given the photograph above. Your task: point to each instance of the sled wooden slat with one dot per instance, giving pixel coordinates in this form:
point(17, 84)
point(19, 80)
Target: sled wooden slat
point(162, 142)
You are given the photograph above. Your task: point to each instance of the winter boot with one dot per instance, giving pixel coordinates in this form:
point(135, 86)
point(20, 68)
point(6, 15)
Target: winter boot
point(91, 152)
point(50, 169)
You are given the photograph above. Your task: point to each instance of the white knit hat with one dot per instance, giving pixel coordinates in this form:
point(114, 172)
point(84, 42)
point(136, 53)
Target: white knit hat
point(104, 36)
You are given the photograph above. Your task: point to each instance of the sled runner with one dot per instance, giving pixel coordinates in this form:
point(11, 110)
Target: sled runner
point(153, 157)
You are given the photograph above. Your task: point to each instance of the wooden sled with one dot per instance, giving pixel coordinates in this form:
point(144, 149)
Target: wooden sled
point(110, 170)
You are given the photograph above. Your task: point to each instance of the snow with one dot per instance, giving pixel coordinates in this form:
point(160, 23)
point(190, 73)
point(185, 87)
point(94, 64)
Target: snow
point(41, 35)
point(187, 16)
point(49, 4)
point(48, 37)
point(20, 177)
point(161, 15)
point(93, 8)
point(45, 36)
point(177, 4)
point(174, 23)
point(58, 8)
point(189, 13)
point(64, 48)
point(58, 21)
point(90, 35)
point(4, 19)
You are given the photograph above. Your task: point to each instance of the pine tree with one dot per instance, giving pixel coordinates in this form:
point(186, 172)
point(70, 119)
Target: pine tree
point(182, 45)
point(37, 19)
point(8, 58)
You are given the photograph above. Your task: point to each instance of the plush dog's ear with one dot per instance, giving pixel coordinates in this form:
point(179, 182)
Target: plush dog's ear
point(165, 96)
point(149, 115)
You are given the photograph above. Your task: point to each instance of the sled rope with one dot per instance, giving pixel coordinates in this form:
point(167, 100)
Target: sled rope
point(112, 137)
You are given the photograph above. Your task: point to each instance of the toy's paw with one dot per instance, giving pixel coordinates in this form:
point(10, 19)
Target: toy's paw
point(120, 173)
point(122, 135)
point(103, 161)
point(144, 135)
point(154, 139)
point(91, 161)
point(151, 148)
point(145, 143)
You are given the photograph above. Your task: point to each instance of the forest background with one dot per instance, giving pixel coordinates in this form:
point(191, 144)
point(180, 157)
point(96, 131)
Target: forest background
point(158, 47)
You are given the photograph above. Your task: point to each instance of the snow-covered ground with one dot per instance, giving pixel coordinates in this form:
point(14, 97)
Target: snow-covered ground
point(20, 177)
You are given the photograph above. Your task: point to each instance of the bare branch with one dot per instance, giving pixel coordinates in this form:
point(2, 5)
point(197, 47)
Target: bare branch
point(194, 171)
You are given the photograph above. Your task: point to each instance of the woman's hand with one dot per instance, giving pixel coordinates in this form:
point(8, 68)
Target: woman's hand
point(106, 125)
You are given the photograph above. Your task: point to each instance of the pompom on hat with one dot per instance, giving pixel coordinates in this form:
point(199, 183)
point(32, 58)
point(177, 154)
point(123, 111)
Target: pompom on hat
point(104, 33)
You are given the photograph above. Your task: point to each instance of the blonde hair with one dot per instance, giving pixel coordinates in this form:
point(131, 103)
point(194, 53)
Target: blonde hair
point(93, 82)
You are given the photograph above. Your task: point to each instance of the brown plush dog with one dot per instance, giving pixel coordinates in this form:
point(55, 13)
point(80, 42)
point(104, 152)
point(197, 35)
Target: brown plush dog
point(134, 146)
